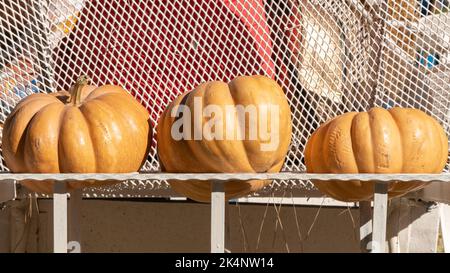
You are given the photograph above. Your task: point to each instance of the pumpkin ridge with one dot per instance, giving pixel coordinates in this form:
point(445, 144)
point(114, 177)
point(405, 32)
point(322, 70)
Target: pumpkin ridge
point(29, 99)
point(18, 154)
point(230, 88)
point(103, 127)
point(126, 122)
point(321, 155)
point(430, 127)
point(89, 131)
point(263, 84)
point(362, 188)
point(220, 149)
point(401, 139)
point(27, 143)
point(110, 90)
point(371, 113)
point(339, 185)
point(101, 104)
point(443, 147)
point(444, 142)
point(130, 100)
point(61, 119)
point(160, 128)
point(330, 137)
point(353, 142)
point(190, 143)
point(205, 148)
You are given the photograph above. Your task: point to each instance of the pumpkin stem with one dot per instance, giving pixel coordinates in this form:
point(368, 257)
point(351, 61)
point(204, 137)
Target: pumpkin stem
point(75, 94)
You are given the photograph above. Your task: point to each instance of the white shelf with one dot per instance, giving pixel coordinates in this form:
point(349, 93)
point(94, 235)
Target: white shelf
point(223, 177)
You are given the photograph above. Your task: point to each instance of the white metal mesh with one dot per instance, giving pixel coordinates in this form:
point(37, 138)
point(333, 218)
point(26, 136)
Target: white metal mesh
point(330, 56)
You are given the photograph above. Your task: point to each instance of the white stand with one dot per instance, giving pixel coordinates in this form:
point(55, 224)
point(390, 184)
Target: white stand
point(59, 217)
point(74, 244)
point(380, 203)
point(365, 225)
point(444, 215)
point(217, 217)
point(372, 227)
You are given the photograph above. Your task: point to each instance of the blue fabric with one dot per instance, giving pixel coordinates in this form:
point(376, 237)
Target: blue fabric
point(24, 90)
point(428, 60)
point(425, 4)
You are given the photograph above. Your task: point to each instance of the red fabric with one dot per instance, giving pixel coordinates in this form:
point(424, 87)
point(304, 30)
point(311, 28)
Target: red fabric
point(117, 40)
point(294, 32)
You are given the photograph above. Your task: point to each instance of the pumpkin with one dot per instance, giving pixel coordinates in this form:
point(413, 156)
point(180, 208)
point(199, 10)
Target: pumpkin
point(225, 154)
point(399, 140)
point(87, 130)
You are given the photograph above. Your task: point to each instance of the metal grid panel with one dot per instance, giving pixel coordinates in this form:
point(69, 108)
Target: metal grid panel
point(330, 56)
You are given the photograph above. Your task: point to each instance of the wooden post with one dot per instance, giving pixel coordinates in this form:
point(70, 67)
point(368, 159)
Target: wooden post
point(59, 217)
point(365, 225)
point(217, 217)
point(379, 217)
point(76, 198)
point(444, 213)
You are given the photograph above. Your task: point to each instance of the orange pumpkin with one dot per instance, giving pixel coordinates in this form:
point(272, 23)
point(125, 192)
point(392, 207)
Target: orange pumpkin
point(225, 154)
point(88, 130)
point(399, 140)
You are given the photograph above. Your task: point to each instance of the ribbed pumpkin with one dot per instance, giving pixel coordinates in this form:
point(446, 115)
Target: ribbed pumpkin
point(399, 140)
point(229, 155)
point(89, 130)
